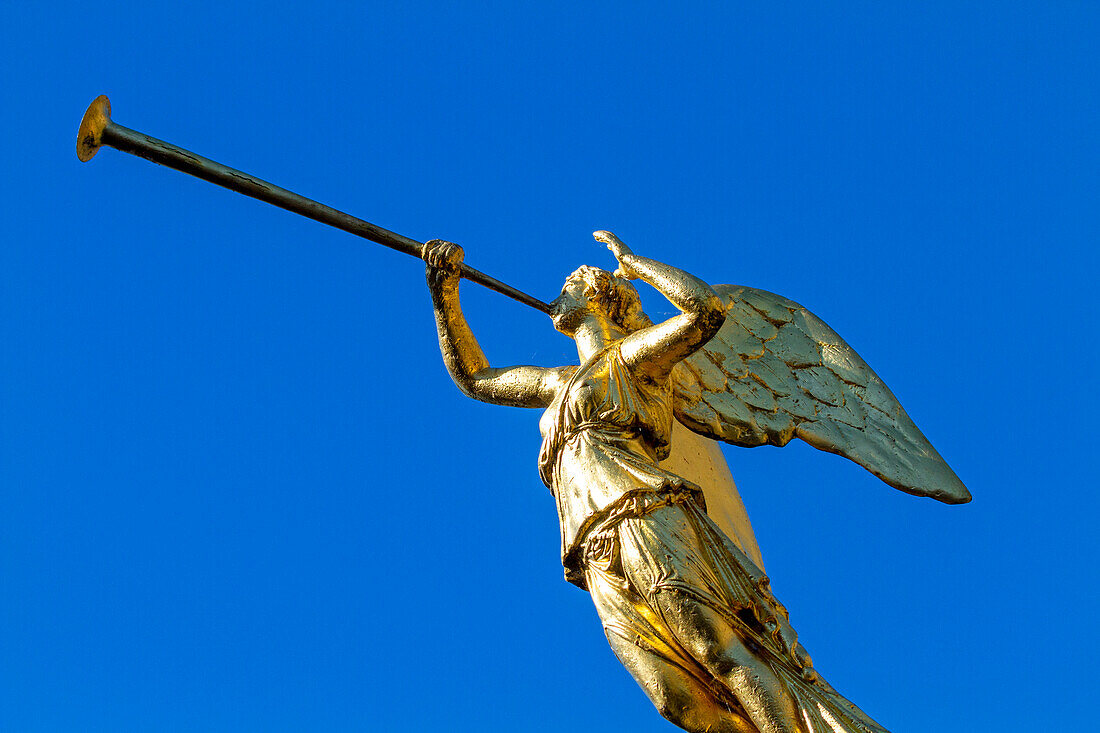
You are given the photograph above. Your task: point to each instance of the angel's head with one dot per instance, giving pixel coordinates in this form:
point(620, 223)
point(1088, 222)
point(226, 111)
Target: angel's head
point(594, 293)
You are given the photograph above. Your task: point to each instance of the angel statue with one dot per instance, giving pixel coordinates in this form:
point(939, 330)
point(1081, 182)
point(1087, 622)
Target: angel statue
point(651, 525)
point(685, 604)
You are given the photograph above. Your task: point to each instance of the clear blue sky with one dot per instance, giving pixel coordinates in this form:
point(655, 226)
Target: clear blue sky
point(239, 491)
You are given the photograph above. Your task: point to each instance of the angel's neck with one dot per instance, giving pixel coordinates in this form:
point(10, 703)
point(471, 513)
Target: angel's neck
point(593, 334)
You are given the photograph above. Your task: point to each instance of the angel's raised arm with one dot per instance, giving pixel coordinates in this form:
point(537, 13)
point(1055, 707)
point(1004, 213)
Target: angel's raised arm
point(657, 349)
point(515, 386)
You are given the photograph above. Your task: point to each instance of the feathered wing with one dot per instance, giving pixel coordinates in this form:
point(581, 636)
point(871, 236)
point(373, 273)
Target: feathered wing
point(775, 371)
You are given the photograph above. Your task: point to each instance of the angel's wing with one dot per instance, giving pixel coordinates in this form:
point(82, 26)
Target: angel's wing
point(775, 372)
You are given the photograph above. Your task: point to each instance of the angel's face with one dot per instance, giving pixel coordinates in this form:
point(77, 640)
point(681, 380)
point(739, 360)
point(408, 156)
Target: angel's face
point(571, 307)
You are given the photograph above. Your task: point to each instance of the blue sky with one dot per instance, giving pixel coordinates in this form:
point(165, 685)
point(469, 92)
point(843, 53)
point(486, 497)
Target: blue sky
point(241, 493)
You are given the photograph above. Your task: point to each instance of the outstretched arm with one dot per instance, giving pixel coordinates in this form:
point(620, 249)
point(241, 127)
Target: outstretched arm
point(517, 386)
point(657, 349)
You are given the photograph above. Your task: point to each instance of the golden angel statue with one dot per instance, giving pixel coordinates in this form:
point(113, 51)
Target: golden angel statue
point(684, 602)
point(650, 526)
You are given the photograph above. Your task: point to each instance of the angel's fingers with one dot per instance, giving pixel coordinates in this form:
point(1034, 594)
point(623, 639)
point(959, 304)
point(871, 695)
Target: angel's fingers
point(606, 236)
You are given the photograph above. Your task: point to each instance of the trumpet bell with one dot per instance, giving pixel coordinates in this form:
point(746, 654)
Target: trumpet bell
point(90, 135)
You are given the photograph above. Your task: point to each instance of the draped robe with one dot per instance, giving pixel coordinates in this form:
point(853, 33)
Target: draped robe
point(631, 530)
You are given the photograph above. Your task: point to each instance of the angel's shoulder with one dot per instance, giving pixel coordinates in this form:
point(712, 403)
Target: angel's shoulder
point(556, 378)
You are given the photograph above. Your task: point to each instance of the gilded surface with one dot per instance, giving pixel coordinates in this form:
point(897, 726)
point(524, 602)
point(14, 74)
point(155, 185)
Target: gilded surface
point(657, 535)
point(651, 522)
point(775, 371)
point(701, 462)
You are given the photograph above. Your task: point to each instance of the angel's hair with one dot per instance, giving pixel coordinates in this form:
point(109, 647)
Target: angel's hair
point(614, 296)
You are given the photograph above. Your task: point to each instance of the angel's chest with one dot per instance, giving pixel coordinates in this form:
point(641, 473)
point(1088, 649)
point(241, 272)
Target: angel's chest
point(618, 401)
point(573, 405)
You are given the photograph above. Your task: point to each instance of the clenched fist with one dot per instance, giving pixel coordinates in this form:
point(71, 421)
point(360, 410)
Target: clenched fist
point(444, 262)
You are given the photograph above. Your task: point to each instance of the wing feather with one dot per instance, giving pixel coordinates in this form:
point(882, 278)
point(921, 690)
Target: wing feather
point(776, 372)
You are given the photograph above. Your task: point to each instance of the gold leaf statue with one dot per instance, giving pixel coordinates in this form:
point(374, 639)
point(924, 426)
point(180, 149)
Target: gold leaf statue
point(651, 524)
point(684, 601)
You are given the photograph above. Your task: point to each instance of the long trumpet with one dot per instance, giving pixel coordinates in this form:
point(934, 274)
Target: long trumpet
point(97, 129)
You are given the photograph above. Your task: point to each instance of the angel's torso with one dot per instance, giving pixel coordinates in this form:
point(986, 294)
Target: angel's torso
point(603, 436)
